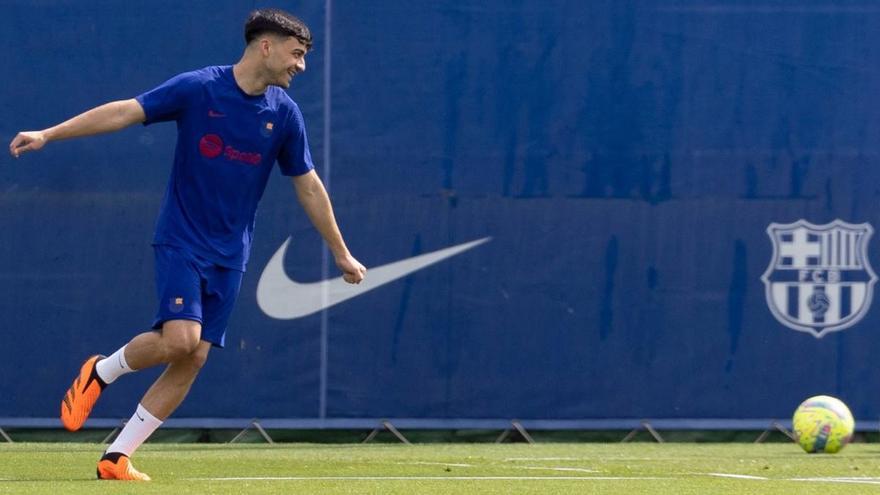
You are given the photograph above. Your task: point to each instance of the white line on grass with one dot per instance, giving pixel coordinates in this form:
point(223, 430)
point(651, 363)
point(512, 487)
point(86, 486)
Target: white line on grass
point(862, 481)
point(512, 459)
point(736, 476)
point(432, 478)
point(539, 468)
point(854, 478)
point(551, 468)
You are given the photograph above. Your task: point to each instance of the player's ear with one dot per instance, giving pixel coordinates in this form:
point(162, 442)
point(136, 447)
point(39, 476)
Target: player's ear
point(265, 44)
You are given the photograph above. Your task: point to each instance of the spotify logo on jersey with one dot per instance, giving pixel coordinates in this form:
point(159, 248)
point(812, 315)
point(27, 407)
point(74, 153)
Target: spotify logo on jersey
point(210, 146)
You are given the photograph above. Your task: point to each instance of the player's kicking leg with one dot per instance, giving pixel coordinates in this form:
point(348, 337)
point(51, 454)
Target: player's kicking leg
point(182, 343)
point(81, 396)
point(94, 376)
point(145, 350)
point(178, 345)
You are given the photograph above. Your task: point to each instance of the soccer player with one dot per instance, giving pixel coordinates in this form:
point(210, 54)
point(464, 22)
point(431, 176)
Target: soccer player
point(234, 122)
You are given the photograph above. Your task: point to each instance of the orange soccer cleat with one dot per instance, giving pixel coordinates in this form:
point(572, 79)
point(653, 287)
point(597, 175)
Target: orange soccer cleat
point(117, 466)
point(81, 396)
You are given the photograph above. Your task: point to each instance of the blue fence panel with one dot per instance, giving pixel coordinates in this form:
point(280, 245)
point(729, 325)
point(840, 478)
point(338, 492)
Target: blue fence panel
point(625, 160)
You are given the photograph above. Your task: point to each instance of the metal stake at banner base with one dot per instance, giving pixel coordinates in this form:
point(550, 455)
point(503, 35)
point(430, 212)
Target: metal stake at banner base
point(114, 432)
point(519, 428)
point(388, 426)
point(258, 427)
point(775, 425)
point(646, 426)
point(5, 436)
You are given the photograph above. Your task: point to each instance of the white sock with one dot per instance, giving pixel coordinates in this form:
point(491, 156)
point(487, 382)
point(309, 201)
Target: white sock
point(112, 367)
point(141, 425)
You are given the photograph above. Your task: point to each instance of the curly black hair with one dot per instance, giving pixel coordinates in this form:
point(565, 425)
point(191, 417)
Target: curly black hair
point(276, 21)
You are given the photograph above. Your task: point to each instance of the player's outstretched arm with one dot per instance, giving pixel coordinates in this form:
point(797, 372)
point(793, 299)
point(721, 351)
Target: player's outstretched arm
point(105, 118)
point(314, 200)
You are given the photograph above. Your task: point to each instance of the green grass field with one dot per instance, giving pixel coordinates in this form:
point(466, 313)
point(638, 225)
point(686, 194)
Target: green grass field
point(671, 468)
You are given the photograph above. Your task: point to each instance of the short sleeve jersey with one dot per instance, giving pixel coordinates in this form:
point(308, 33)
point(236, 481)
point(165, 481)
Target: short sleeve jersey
point(227, 144)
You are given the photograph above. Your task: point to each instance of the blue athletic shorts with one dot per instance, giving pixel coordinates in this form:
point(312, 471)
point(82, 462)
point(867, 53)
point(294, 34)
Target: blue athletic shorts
point(190, 288)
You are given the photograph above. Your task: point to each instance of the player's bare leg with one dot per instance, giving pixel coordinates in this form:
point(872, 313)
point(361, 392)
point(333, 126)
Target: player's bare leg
point(169, 390)
point(176, 344)
point(177, 340)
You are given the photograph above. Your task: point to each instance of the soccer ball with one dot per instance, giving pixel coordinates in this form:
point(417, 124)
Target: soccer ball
point(823, 424)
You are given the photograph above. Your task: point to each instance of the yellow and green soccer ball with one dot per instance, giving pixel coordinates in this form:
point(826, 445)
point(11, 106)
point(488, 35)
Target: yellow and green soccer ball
point(823, 424)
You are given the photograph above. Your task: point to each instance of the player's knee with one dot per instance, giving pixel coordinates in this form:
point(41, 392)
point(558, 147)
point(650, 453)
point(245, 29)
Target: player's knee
point(178, 349)
point(198, 359)
point(181, 339)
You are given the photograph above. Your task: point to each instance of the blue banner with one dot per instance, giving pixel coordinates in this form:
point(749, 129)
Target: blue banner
point(569, 210)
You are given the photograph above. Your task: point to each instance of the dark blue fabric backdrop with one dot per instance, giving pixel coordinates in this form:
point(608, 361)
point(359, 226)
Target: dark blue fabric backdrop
point(625, 157)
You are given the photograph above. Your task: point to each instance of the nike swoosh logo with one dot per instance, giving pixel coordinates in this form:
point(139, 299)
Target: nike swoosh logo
point(282, 298)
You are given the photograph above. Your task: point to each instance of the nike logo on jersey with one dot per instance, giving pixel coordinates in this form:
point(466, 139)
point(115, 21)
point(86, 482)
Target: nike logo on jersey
point(282, 298)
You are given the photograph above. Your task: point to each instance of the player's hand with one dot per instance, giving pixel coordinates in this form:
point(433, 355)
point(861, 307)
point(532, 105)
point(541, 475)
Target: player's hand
point(353, 271)
point(27, 141)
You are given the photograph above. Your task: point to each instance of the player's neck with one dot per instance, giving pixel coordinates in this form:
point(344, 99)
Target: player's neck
point(248, 79)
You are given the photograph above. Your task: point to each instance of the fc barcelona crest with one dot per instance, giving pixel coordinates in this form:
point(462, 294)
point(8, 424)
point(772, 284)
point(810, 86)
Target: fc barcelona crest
point(819, 279)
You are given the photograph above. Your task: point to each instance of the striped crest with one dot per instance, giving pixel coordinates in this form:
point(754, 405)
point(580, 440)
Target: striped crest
point(819, 279)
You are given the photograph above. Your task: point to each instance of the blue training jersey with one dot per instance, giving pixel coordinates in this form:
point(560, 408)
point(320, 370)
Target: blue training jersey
point(227, 145)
